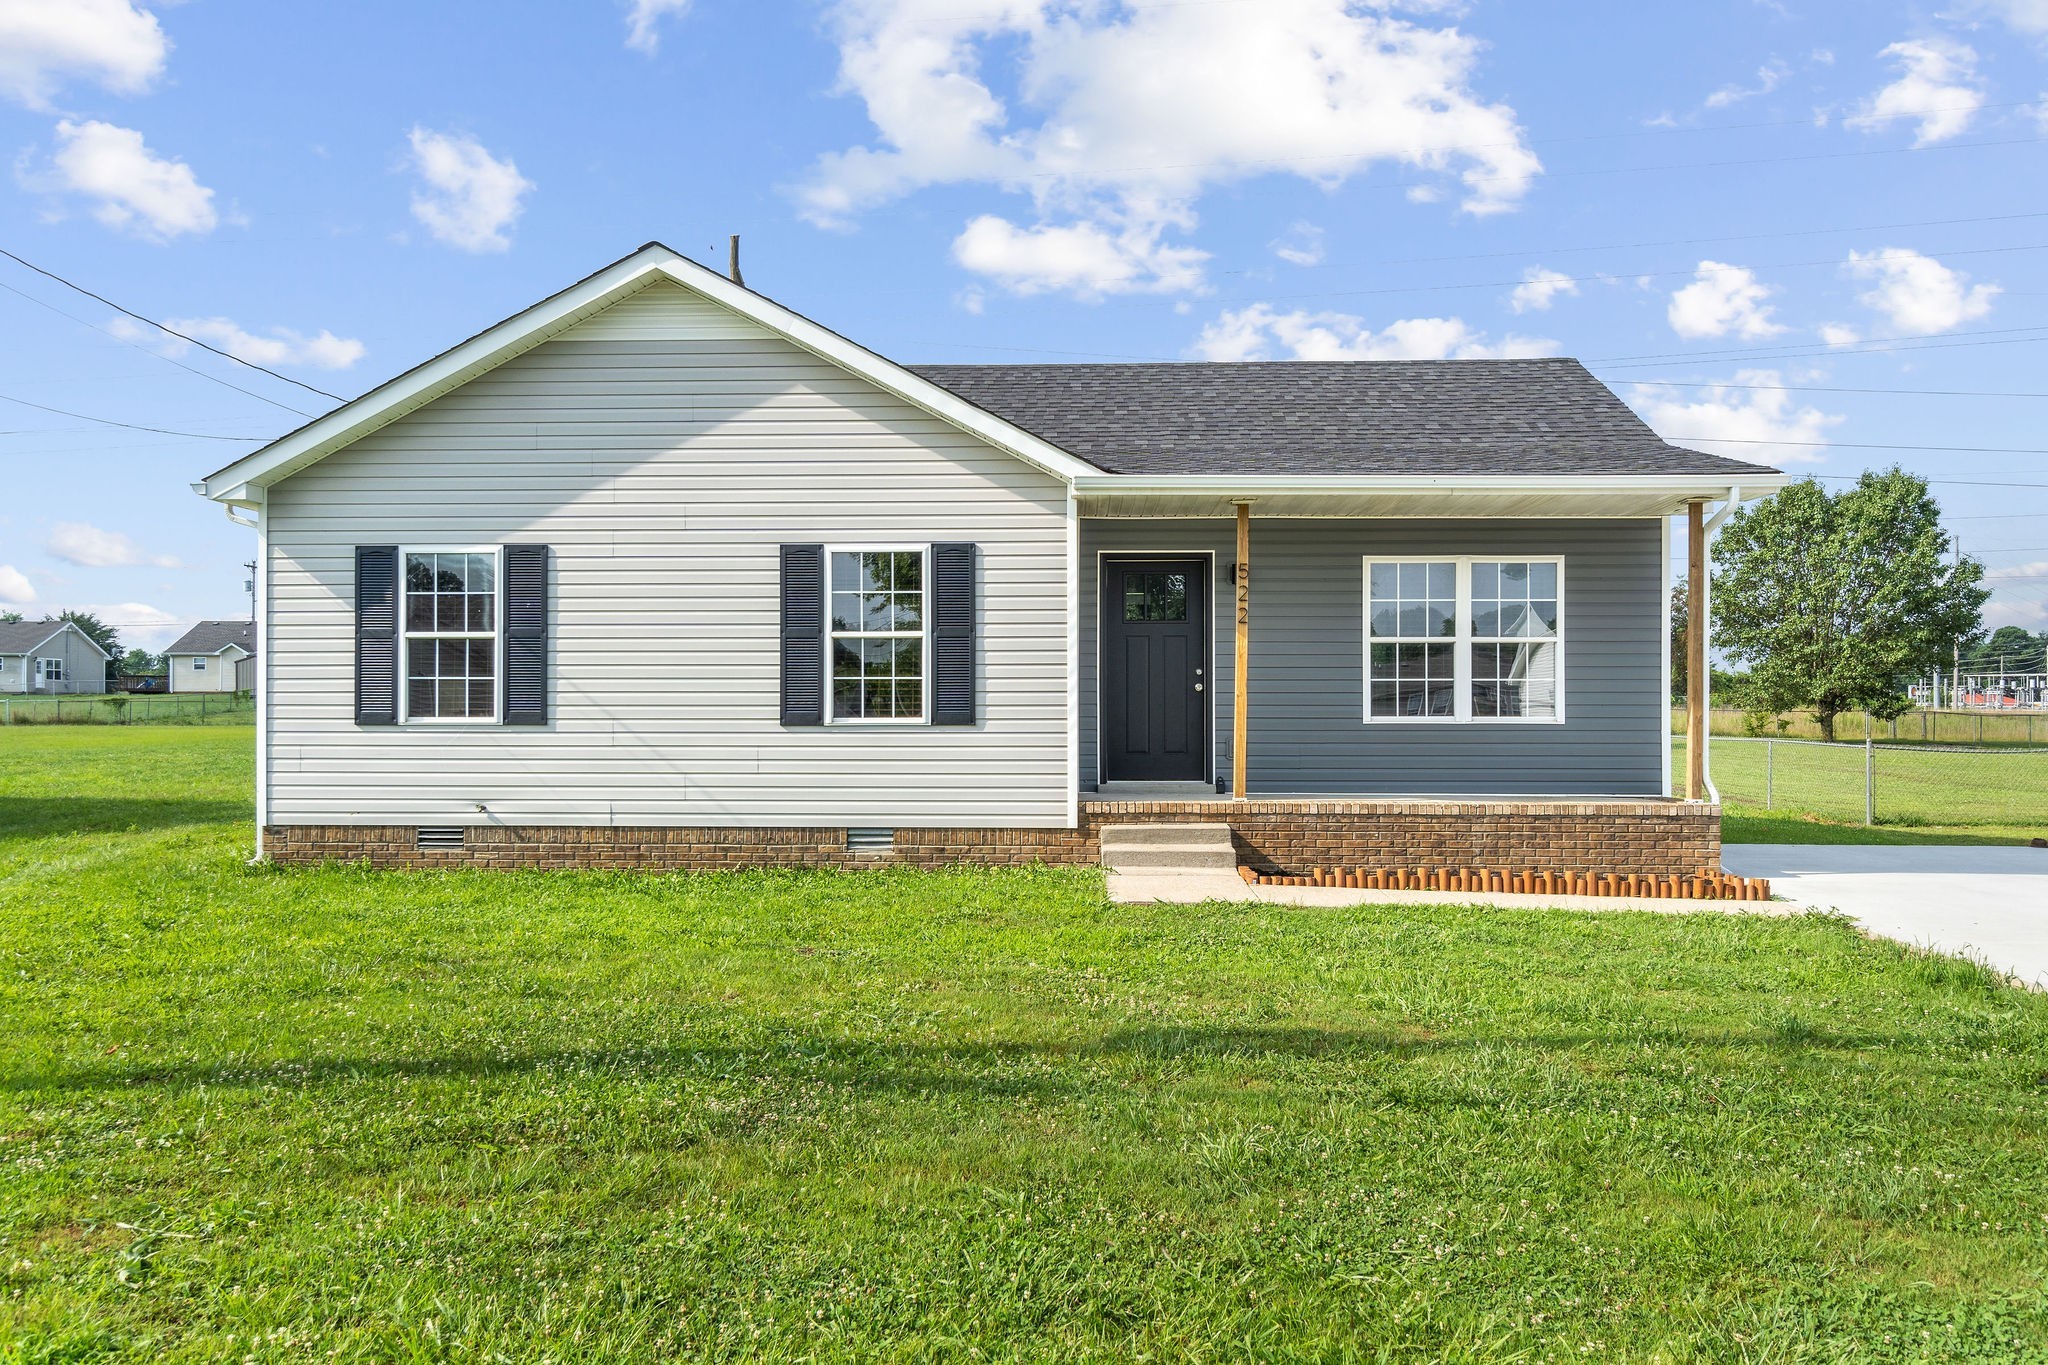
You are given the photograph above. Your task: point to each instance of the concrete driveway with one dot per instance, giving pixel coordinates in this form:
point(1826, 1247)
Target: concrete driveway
point(1989, 903)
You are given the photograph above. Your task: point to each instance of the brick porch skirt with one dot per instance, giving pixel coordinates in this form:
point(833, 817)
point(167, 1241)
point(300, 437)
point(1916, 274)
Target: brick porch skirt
point(1643, 836)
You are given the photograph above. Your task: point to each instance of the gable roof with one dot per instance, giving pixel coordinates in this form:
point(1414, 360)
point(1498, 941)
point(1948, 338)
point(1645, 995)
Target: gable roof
point(1536, 417)
point(213, 637)
point(23, 637)
point(241, 481)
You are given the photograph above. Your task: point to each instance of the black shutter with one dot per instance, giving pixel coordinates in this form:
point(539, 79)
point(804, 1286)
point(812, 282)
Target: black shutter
point(953, 634)
point(526, 635)
point(803, 635)
point(377, 596)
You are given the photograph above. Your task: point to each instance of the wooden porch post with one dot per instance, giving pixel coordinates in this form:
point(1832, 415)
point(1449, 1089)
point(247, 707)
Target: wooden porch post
point(1696, 652)
point(1239, 713)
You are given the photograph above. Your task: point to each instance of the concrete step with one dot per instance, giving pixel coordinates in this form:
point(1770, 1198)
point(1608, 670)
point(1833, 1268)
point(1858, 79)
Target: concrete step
point(1168, 848)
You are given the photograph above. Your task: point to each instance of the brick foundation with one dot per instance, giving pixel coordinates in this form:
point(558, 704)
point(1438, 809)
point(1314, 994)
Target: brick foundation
point(1647, 836)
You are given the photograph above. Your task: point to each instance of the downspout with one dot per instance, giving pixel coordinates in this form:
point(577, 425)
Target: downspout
point(1707, 674)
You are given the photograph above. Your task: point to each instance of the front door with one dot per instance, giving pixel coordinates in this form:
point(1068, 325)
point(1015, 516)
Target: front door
point(1155, 670)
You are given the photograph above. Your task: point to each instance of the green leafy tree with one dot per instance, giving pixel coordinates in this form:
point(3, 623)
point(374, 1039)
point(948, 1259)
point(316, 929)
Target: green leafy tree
point(2012, 649)
point(9, 617)
point(1836, 600)
point(137, 663)
point(98, 631)
point(1680, 621)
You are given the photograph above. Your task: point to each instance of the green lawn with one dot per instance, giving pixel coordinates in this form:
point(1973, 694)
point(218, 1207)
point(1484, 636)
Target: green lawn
point(1953, 795)
point(131, 708)
point(341, 1115)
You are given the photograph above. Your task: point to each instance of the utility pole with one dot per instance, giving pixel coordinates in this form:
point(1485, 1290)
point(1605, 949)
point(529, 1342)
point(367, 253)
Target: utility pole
point(249, 586)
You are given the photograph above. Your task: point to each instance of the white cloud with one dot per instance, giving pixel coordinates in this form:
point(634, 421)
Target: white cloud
point(643, 18)
point(1540, 288)
point(109, 42)
point(1301, 244)
point(1937, 87)
point(89, 547)
point(1918, 294)
point(1119, 118)
point(1723, 299)
point(1839, 334)
point(471, 198)
point(2020, 572)
point(1259, 332)
point(283, 346)
point(1769, 77)
point(141, 626)
point(1085, 259)
point(2027, 16)
point(1743, 423)
point(133, 188)
point(15, 589)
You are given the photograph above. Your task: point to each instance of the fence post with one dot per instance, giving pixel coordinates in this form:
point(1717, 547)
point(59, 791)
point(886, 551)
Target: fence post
point(1869, 776)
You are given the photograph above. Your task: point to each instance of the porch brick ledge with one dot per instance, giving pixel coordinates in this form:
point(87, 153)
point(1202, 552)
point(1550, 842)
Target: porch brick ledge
point(1223, 809)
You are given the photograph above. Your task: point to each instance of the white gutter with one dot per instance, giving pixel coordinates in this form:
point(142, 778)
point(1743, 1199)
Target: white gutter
point(1271, 485)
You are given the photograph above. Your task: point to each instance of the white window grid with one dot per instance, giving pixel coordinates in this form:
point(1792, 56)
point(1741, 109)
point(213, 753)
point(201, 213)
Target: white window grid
point(406, 635)
point(923, 635)
point(1462, 641)
point(49, 670)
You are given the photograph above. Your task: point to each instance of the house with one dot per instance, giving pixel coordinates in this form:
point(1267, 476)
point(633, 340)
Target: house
point(661, 573)
point(50, 658)
point(213, 656)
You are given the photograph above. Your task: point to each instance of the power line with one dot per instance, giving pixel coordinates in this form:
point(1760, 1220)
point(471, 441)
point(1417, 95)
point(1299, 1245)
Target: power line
point(161, 327)
point(1672, 241)
point(1866, 445)
point(168, 360)
point(1698, 270)
point(110, 422)
point(1836, 388)
point(1804, 351)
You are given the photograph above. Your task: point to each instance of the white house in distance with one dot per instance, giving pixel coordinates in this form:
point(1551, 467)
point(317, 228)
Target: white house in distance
point(50, 658)
point(210, 656)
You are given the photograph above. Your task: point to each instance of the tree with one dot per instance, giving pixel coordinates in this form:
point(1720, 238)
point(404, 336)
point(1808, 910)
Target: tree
point(2011, 649)
point(138, 663)
point(9, 617)
point(1680, 621)
point(1836, 601)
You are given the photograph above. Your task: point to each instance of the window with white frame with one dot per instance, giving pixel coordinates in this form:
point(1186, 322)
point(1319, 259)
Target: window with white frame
point(50, 670)
point(1464, 639)
point(451, 635)
point(199, 663)
point(875, 646)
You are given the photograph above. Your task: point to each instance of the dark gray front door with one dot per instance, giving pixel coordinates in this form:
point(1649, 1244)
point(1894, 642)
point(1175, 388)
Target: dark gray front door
point(1155, 670)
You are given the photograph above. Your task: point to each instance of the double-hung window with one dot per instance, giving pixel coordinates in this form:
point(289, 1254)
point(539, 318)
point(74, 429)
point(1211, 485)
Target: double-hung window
point(50, 670)
point(450, 641)
point(1464, 639)
point(199, 664)
point(875, 647)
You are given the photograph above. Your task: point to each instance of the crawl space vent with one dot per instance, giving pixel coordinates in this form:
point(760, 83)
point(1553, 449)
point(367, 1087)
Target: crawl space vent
point(871, 842)
point(439, 836)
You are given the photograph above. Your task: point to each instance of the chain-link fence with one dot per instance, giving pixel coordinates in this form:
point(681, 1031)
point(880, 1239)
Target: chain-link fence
point(1915, 727)
point(125, 708)
point(1883, 783)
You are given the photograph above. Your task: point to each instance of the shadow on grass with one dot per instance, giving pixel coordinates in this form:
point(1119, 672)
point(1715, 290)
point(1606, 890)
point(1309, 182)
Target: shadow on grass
point(36, 817)
point(1750, 828)
point(993, 1069)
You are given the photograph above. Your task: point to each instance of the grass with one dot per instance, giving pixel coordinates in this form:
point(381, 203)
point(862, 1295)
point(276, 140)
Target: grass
point(250, 1113)
point(131, 708)
point(1944, 796)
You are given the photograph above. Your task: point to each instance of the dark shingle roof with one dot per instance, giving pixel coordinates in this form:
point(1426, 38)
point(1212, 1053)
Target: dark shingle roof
point(1547, 416)
point(211, 637)
point(18, 637)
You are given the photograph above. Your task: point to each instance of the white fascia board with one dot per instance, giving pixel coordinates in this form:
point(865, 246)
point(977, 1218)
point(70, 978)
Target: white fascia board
point(242, 481)
point(1746, 485)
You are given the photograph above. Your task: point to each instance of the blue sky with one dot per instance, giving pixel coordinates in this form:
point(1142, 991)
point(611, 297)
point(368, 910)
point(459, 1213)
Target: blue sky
point(1798, 229)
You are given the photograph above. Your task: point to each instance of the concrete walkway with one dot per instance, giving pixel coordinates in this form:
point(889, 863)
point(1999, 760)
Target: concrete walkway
point(1988, 903)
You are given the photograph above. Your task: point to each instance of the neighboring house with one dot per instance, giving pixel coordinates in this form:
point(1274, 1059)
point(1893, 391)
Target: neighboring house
point(212, 657)
point(658, 572)
point(50, 658)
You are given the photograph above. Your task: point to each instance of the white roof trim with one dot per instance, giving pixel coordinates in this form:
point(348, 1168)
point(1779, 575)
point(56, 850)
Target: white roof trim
point(421, 385)
point(62, 626)
point(1592, 485)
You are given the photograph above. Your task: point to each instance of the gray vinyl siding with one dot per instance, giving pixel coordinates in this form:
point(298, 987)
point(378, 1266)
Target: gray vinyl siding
point(85, 668)
point(665, 449)
point(1308, 735)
